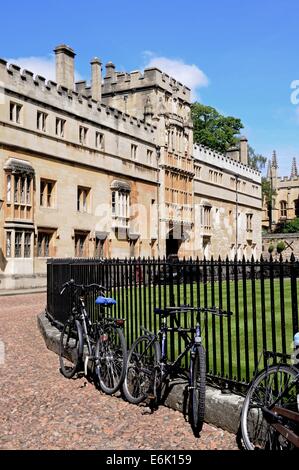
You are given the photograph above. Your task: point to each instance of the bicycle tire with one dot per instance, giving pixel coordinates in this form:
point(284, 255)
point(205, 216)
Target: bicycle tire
point(257, 433)
point(110, 358)
point(141, 378)
point(70, 348)
point(198, 388)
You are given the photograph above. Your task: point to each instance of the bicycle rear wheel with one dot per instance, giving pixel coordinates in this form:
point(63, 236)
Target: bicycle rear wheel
point(110, 358)
point(257, 432)
point(70, 348)
point(198, 389)
point(142, 374)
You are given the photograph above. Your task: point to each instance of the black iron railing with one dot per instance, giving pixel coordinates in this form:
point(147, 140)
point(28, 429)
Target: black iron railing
point(262, 295)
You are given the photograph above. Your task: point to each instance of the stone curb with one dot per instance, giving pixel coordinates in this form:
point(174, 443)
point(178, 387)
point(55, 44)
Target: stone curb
point(35, 290)
point(222, 410)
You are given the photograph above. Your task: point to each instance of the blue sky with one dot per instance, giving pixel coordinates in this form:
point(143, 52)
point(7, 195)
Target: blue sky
point(239, 56)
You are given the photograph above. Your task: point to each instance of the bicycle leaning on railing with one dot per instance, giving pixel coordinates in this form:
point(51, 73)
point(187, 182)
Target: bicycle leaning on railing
point(270, 412)
point(147, 365)
point(101, 342)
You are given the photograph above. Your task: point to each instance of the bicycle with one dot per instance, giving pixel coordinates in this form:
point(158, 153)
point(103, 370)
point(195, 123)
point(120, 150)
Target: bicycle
point(147, 365)
point(101, 342)
point(269, 417)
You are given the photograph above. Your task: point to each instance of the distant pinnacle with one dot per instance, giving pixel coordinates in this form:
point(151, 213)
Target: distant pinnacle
point(269, 169)
point(294, 171)
point(274, 160)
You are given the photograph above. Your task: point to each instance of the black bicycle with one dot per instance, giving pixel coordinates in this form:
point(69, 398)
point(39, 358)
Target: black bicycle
point(101, 342)
point(270, 412)
point(147, 365)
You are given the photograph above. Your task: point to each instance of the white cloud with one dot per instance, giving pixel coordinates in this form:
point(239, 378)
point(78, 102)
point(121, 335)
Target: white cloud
point(44, 66)
point(189, 75)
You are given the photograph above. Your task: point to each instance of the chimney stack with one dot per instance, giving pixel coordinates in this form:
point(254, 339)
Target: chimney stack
point(65, 70)
point(110, 70)
point(244, 150)
point(96, 79)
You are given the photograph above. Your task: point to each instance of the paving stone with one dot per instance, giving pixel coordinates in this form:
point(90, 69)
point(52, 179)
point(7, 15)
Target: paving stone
point(40, 409)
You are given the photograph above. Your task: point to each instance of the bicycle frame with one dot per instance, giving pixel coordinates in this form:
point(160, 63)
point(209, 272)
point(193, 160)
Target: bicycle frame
point(190, 342)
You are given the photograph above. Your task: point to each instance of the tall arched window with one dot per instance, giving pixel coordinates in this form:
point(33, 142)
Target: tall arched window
point(283, 209)
point(296, 204)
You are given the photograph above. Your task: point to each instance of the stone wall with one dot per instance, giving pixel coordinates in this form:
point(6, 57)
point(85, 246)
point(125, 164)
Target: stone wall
point(291, 241)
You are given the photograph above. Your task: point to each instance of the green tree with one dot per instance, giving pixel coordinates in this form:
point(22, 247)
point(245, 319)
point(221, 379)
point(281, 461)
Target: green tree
point(214, 130)
point(280, 247)
point(256, 160)
point(290, 227)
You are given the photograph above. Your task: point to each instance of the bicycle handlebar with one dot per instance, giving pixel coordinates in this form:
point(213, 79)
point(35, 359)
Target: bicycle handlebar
point(186, 308)
point(71, 283)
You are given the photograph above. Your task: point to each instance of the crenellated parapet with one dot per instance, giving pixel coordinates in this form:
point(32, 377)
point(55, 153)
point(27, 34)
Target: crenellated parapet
point(117, 82)
point(24, 83)
point(214, 158)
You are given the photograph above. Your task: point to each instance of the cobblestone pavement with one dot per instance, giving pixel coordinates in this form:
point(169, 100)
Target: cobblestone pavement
point(40, 409)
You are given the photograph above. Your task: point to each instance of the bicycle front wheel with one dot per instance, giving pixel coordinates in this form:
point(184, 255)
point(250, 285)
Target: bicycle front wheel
point(110, 358)
point(276, 382)
point(198, 388)
point(142, 375)
point(70, 348)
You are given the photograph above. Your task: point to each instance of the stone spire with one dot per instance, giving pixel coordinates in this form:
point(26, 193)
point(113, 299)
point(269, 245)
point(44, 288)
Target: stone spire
point(269, 170)
point(274, 160)
point(294, 171)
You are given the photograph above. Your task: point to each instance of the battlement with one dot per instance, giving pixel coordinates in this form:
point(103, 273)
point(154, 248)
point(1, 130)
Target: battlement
point(36, 87)
point(209, 156)
point(288, 179)
point(151, 77)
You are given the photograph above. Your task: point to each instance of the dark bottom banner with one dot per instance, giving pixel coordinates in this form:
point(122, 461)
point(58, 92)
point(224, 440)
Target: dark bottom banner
point(142, 459)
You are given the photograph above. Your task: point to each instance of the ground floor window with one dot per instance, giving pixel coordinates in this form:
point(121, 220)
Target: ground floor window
point(18, 244)
point(81, 244)
point(100, 248)
point(8, 245)
point(44, 243)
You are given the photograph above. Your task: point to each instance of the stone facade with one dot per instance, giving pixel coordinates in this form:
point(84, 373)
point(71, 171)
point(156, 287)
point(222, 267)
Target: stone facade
point(285, 205)
point(110, 170)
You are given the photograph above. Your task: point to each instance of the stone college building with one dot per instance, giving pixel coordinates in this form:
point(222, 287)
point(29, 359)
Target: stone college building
point(110, 170)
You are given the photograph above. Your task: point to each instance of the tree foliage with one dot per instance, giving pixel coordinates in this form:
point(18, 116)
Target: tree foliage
point(256, 160)
point(214, 130)
point(289, 227)
point(267, 192)
point(280, 247)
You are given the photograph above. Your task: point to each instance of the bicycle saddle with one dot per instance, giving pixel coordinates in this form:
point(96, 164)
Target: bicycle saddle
point(105, 300)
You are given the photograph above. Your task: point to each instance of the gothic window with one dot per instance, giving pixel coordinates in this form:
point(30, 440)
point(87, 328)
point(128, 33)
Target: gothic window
point(47, 193)
point(15, 112)
point(81, 244)
point(41, 119)
point(83, 199)
point(83, 135)
point(8, 244)
point(60, 126)
point(283, 209)
point(99, 140)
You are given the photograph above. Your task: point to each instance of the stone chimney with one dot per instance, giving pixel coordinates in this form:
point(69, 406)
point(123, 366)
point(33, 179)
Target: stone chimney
point(110, 70)
point(65, 70)
point(96, 79)
point(244, 150)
